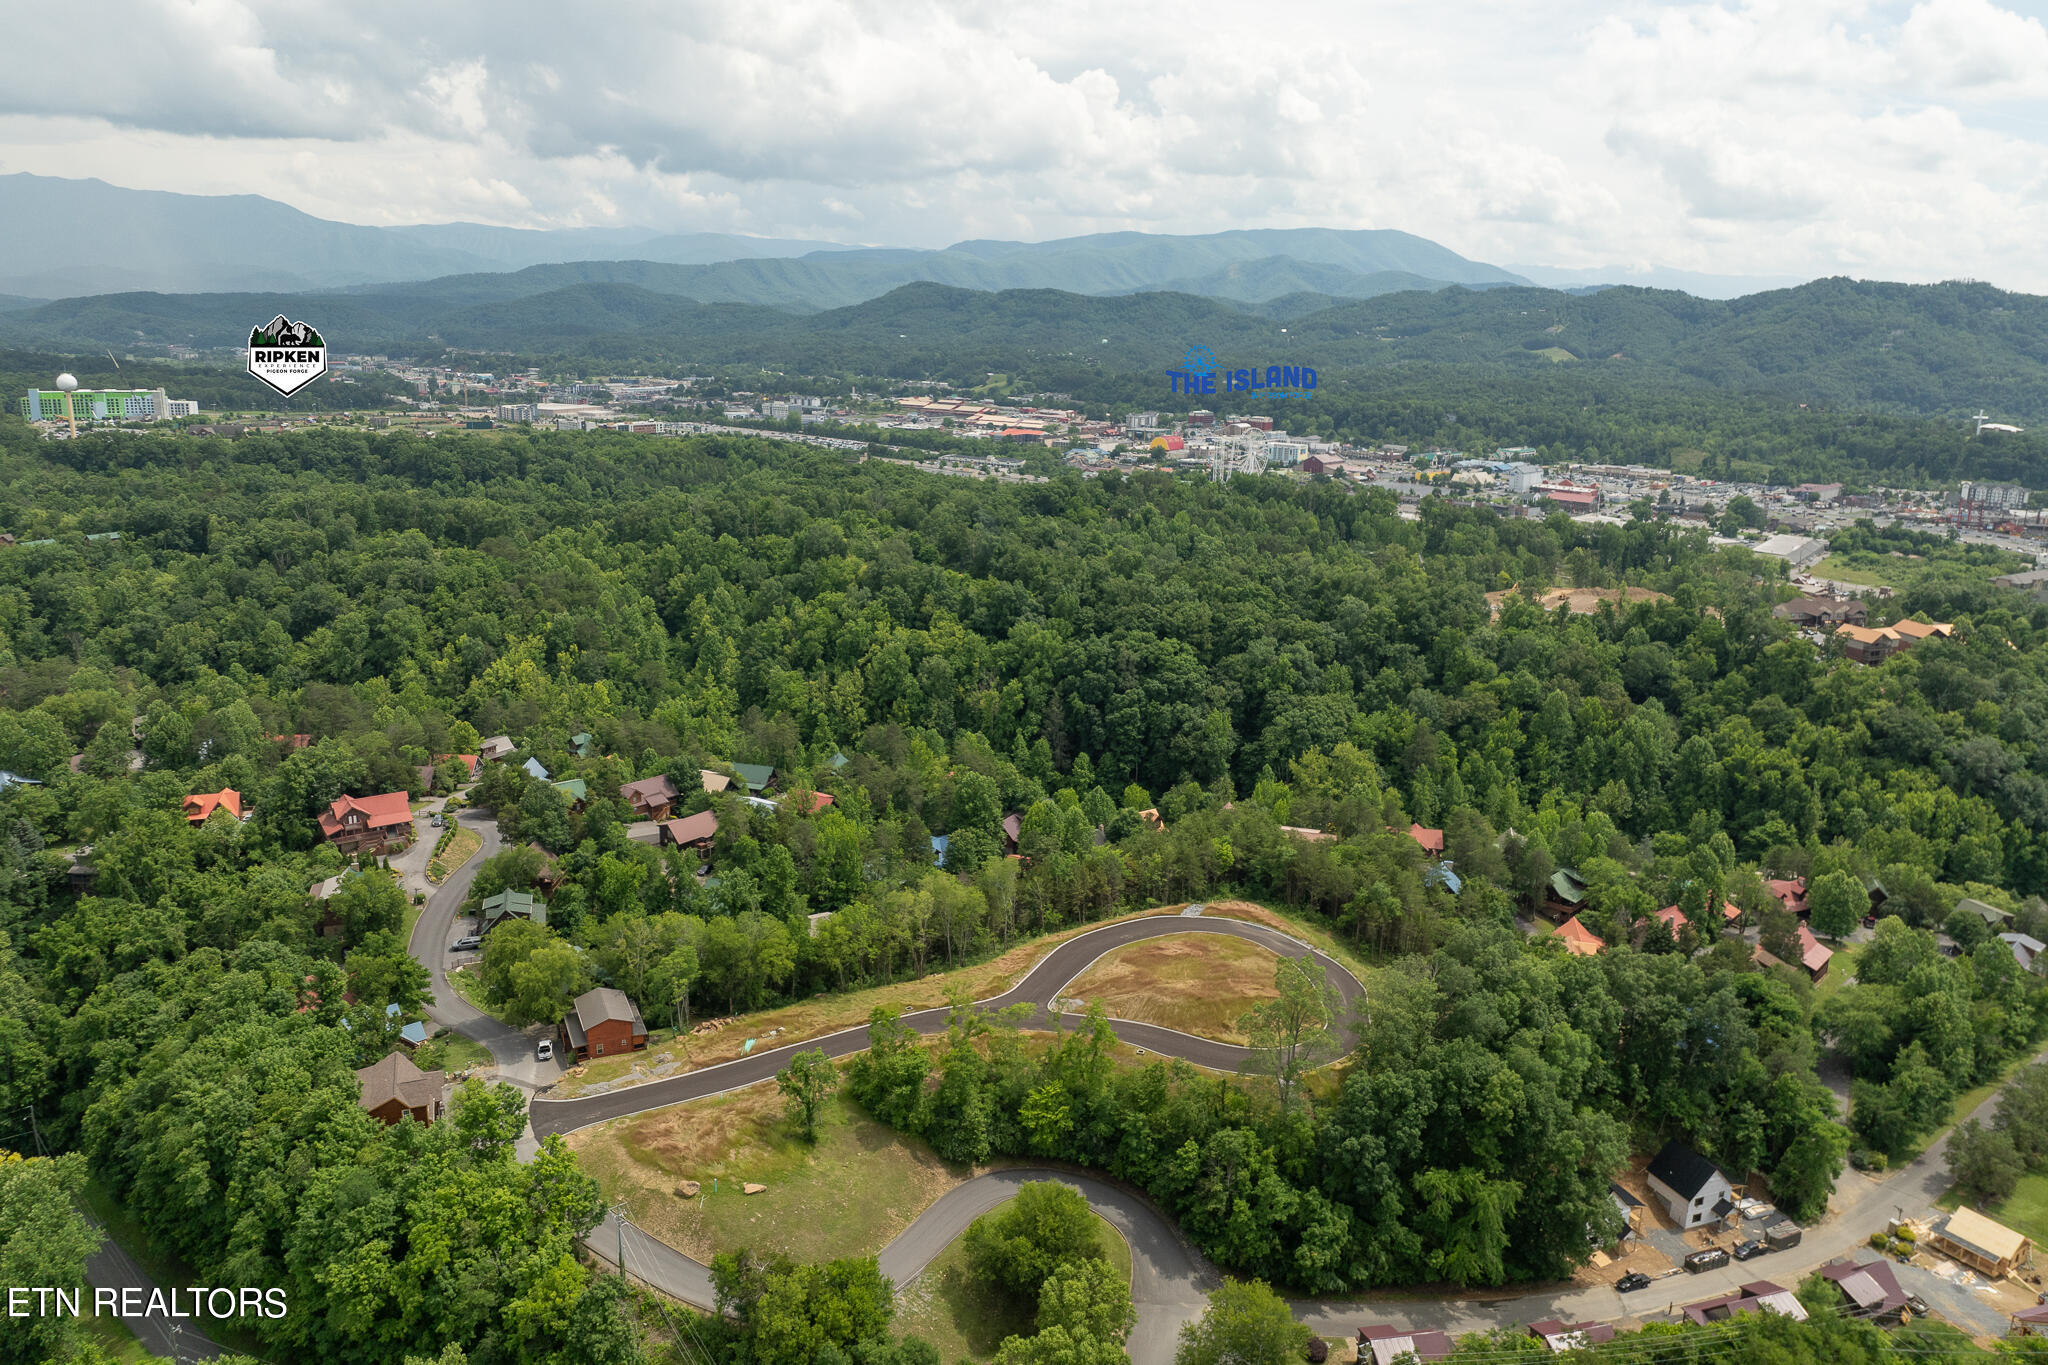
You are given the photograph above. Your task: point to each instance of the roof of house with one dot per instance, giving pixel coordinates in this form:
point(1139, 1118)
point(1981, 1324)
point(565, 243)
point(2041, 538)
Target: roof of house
point(497, 746)
point(469, 760)
point(575, 788)
point(1442, 874)
point(534, 769)
point(1871, 1286)
point(394, 1077)
point(1578, 939)
point(2026, 949)
point(1314, 836)
point(713, 782)
point(1813, 954)
point(1570, 1336)
point(391, 808)
point(580, 742)
point(513, 905)
point(838, 760)
point(2038, 1313)
point(1013, 827)
point(1674, 917)
point(1791, 892)
point(413, 1034)
point(605, 1005)
point(818, 802)
point(1920, 630)
point(1683, 1169)
point(322, 890)
point(755, 775)
point(648, 791)
point(1990, 914)
point(1568, 886)
point(1968, 1228)
point(690, 828)
point(644, 832)
point(1431, 840)
point(200, 805)
point(1386, 1343)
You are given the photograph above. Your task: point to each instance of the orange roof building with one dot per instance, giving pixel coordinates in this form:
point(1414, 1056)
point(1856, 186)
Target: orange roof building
point(355, 823)
point(1432, 840)
point(1579, 941)
point(1674, 918)
point(200, 805)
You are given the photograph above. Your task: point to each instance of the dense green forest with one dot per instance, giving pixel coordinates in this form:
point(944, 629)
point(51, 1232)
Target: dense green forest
point(1243, 658)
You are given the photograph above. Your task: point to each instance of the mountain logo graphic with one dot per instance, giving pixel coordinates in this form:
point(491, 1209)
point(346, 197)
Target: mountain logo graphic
point(286, 355)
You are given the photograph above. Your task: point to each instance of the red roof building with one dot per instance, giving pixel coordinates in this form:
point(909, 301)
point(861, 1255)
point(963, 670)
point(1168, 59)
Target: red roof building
point(1791, 894)
point(202, 804)
point(354, 824)
point(1432, 840)
point(1674, 918)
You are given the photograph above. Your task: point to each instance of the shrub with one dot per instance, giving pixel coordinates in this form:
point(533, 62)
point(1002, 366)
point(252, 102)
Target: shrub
point(1877, 1241)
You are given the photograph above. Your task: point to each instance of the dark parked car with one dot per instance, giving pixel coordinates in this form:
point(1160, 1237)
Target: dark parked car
point(1631, 1282)
point(1916, 1305)
point(1713, 1258)
point(1748, 1251)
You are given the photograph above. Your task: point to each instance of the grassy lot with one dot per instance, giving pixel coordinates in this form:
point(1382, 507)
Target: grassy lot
point(828, 1014)
point(825, 1014)
point(2025, 1211)
point(461, 848)
point(1841, 971)
point(967, 1320)
point(470, 988)
point(1197, 983)
point(1838, 567)
point(451, 1052)
point(848, 1196)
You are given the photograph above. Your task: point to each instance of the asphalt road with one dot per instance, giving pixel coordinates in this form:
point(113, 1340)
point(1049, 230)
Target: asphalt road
point(1169, 1281)
point(1041, 987)
point(431, 936)
point(111, 1267)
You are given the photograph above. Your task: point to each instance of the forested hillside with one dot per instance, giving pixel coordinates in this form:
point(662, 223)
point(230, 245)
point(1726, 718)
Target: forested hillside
point(1937, 349)
point(1245, 659)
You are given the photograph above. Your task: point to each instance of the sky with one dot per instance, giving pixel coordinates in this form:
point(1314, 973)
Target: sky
point(1900, 141)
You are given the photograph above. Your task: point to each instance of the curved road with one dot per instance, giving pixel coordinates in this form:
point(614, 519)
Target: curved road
point(1169, 1280)
point(436, 930)
point(1041, 988)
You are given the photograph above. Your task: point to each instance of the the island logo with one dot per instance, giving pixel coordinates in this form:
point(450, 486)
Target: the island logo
point(286, 355)
point(1198, 372)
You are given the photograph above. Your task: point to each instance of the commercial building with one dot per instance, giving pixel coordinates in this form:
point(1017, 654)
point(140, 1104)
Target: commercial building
point(1992, 495)
point(104, 405)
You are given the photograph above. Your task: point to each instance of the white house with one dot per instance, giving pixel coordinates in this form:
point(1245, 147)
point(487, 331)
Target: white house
point(1693, 1189)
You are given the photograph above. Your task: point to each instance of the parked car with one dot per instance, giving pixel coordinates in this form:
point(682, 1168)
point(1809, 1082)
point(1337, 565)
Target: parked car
point(468, 943)
point(1631, 1282)
point(546, 1051)
point(1916, 1305)
point(1713, 1258)
point(1749, 1251)
point(437, 820)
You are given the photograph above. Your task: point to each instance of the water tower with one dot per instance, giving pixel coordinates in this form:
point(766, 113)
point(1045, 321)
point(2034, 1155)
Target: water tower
point(67, 384)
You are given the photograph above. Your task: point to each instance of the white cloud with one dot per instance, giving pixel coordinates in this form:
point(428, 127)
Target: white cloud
point(1901, 138)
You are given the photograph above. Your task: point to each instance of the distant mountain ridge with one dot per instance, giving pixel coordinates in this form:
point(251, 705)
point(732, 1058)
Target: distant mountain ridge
point(76, 238)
